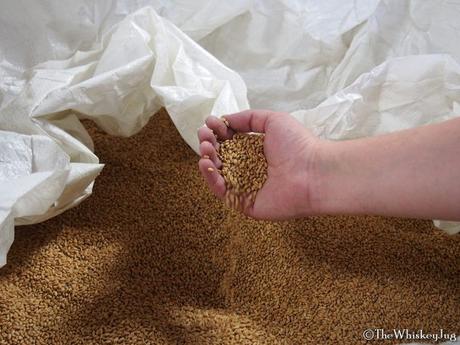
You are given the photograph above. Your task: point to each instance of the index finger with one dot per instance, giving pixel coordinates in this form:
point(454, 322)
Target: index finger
point(251, 120)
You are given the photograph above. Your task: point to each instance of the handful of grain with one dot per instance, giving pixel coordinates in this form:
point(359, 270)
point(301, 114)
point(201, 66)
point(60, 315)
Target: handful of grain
point(244, 166)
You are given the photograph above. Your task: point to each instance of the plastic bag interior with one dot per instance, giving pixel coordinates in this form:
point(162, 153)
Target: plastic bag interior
point(345, 69)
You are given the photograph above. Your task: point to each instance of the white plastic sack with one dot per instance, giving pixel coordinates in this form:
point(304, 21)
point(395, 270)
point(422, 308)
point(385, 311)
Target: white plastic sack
point(344, 68)
point(141, 64)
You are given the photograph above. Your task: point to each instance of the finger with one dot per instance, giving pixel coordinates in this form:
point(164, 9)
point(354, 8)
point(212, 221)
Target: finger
point(219, 127)
point(251, 120)
point(206, 134)
point(208, 151)
point(214, 180)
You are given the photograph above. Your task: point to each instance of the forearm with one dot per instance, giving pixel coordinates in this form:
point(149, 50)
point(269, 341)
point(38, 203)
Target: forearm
point(412, 173)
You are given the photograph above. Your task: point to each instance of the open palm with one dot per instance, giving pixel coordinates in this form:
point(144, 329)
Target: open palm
point(290, 150)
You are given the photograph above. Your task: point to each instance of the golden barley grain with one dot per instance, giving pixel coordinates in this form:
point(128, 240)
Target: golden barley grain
point(244, 167)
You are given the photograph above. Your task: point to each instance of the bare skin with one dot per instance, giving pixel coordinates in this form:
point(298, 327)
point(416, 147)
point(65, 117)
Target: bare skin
point(411, 173)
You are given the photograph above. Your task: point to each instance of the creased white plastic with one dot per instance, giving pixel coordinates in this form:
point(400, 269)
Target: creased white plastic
point(34, 173)
point(344, 68)
point(142, 63)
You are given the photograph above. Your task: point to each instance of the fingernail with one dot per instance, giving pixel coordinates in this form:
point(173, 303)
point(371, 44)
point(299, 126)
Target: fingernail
point(206, 156)
point(210, 169)
point(224, 120)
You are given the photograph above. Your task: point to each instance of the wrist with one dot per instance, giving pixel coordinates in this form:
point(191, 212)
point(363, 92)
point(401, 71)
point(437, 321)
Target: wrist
point(336, 186)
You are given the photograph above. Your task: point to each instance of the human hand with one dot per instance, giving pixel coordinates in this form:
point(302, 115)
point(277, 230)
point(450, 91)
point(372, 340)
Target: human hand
point(291, 152)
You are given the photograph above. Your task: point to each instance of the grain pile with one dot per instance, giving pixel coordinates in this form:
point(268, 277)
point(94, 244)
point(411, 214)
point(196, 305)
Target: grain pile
point(153, 258)
point(244, 167)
